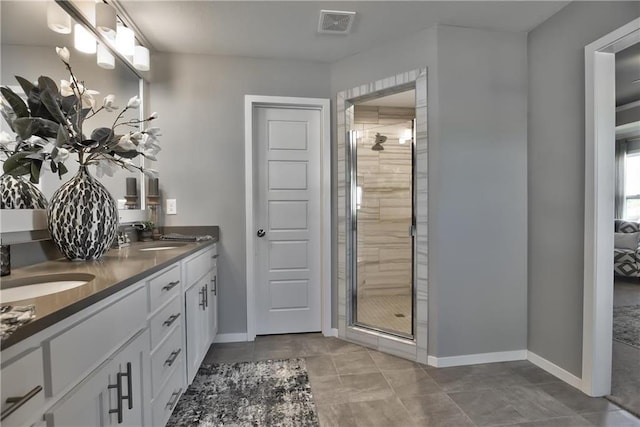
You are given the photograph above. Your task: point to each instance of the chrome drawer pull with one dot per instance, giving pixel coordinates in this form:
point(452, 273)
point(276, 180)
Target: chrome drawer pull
point(172, 358)
point(171, 319)
point(118, 387)
point(170, 285)
point(19, 401)
point(174, 399)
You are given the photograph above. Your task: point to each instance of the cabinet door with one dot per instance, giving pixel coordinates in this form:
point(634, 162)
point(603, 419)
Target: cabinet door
point(87, 404)
point(113, 395)
point(130, 371)
point(213, 304)
point(195, 309)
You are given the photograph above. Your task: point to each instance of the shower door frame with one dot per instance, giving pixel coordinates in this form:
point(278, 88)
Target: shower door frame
point(414, 348)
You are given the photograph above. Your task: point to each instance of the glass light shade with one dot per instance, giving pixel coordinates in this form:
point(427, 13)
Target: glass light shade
point(58, 20)
point(83, 40)
point(105, 59)
point(141, 58)
point(106, 20)
point(125, 41)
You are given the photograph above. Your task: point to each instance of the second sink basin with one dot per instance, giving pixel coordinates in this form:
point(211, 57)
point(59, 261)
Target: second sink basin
point(37, 286)
point(162, 247)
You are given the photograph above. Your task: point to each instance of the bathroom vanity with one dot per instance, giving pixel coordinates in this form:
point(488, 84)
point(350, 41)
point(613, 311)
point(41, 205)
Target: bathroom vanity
point(119, 349)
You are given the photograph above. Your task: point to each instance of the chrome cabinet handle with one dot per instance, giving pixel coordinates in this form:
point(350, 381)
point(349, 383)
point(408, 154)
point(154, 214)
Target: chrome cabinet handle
point(129, 395)
point(215, 286)
point(201, 303)
point(170, 285)
point(171, 319)
point(261, 233)
point(206, 295)
point(18, 401)
point(118, 387)
point(173, 399)
point(172, 357)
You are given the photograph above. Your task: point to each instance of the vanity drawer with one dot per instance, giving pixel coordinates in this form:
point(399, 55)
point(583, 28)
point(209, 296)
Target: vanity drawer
point(163, 287)
point(76, 350)
point(24, 380)
point(200, 264)
point(166, 400)
point(169, 356)
point(165, 320)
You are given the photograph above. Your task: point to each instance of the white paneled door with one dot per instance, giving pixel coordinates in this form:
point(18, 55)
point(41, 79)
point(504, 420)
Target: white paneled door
point(287, 235)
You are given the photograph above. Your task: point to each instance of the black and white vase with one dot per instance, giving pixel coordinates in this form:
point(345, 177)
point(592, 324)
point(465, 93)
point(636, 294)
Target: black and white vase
point(19, 193)
point(83, 217)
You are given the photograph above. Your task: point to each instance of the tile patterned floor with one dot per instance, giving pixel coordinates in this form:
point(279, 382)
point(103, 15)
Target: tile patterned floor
point(355, 386)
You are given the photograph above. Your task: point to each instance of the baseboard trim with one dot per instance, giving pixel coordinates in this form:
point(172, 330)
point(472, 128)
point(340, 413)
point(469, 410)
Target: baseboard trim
point(333, 332)
point(474, 359)
point(554, 370)
point(221, 338)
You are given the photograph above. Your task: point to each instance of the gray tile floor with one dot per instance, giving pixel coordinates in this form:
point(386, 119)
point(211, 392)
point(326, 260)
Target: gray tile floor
point(355, 386)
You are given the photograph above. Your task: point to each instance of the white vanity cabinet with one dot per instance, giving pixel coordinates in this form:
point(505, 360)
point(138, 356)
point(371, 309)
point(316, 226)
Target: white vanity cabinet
point(201, 311)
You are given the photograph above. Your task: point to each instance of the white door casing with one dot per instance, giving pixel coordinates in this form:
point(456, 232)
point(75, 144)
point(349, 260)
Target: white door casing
point(288, 196)
point(599, 216)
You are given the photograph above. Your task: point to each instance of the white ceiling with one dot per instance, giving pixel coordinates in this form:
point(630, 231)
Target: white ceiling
point(288, 29)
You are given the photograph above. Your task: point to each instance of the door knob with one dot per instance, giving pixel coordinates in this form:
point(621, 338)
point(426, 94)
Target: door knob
point(261, 233)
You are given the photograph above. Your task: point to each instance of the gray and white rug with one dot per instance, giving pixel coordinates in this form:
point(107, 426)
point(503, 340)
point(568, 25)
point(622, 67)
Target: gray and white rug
point(626, 324)
point(265, 393)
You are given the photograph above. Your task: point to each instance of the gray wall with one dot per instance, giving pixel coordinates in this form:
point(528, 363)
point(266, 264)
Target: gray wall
point(200, 100)
point(477, 179)
point(556, 175)
point(478, 204)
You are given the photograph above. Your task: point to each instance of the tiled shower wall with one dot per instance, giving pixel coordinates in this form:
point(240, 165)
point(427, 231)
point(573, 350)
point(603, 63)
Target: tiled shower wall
point(384, 216)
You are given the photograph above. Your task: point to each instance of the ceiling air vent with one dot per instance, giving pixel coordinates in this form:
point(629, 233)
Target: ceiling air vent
point(335, 22)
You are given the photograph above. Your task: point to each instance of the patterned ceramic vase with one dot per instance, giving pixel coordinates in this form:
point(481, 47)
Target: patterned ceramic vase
point(19, 193)
point(83, 217)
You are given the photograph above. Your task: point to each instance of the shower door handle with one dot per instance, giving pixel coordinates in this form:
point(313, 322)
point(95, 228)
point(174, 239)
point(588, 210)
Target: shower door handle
point(412, 230)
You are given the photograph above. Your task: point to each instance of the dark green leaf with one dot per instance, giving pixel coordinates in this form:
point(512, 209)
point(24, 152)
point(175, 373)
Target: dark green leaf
point(25, 127)
point(14, 162)
point(53, 166)
point(26, 85)
point(62, 169)
point(36, 106)
point(35, 171)
point(89, 143)
point(50, 101)
point(128, 154)
point(45, 82)
point(63, 136)
point(102, 135)
point(68, 104)
point(17, 104)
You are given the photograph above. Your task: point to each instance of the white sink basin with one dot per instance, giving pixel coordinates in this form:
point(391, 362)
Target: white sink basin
point(37, 286)
point(164, 247)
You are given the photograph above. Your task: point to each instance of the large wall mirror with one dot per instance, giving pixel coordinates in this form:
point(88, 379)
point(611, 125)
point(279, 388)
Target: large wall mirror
point(28, 50)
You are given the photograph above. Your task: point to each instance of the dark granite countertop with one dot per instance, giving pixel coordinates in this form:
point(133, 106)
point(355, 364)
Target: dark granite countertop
point(116, 270)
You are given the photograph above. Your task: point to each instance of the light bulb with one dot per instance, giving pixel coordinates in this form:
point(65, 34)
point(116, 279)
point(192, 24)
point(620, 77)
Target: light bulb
point(105, 59)
point(125, 41)
point(83, 40)
point(106, 20)
point(58, 20)
point(141, 58)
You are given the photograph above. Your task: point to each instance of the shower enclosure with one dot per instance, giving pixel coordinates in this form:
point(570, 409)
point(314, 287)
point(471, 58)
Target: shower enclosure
point(382, 211)
point(382, 268)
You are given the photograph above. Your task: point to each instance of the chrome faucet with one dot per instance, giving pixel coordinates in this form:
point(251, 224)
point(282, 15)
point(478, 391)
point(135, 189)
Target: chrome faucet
point(5, 260)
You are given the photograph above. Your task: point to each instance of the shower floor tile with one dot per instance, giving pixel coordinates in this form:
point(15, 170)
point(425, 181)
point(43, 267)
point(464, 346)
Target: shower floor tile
point(389, 312)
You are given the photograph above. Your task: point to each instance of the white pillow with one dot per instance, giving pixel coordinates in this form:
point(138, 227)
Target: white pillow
point(626, 240)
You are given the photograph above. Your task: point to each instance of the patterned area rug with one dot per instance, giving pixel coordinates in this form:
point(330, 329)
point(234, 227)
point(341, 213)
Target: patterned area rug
point(626, 324)
point(266, 393)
